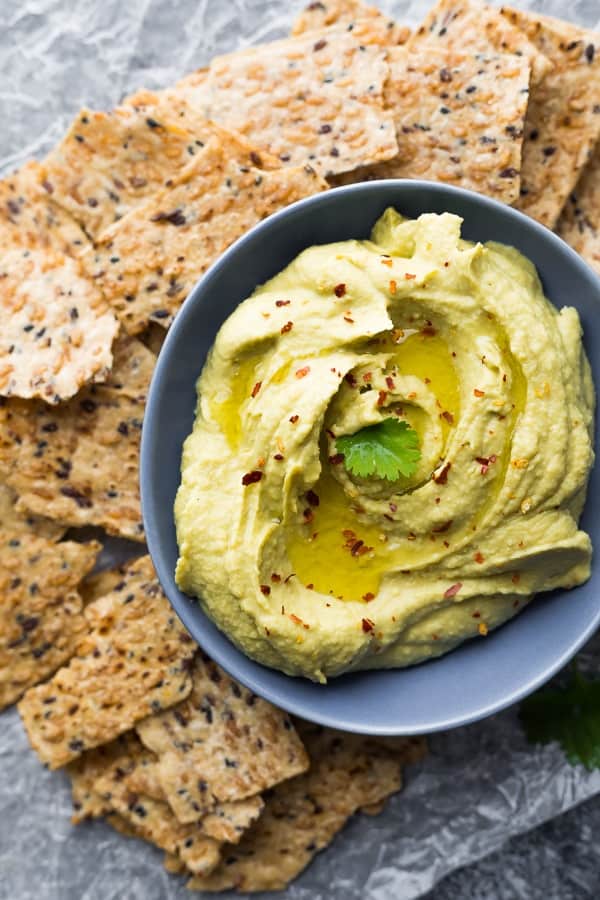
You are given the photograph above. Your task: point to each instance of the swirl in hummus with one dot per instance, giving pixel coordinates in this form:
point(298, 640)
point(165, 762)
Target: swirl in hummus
point(315, 571)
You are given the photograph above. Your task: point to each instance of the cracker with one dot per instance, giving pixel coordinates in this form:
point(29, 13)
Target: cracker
point(124, 828)
point(384, 31)
point(228, 821)
point(174, 865)
point(84, 772)
point(148, 262)
point(41, 619)
point(57, 330)
point(301, 816)
point(443, 103)
point(108, 163)
point(135, 660)
point(315, 98)
point(30, 219)
point(579, 224)
point(222, 744)
point(12, 521)
point(563, 119)
point(469, 26)
point(153, 337)
point(152, 819)
point(78, 462)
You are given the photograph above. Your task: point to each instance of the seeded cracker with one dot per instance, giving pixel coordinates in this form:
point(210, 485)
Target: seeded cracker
point(316, 98)
point(223, 744)
point(135, 661)
point(152, 819)
point(57, 330)
point(108, 163)
point(469, 26)
point(29, 218)
point(84, 772)
point(41, 617)
point(78, 462)
point(12, 521)
point(563, 119)
point(148, 262)
point(442, 103)
point(302, 816)
point(383, 30)
point(579, 224)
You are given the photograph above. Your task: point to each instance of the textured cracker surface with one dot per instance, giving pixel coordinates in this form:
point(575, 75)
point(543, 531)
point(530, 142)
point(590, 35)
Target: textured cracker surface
point(579, 224)
point(223, 743)
point(41, 619)
point(383, 30)
point(78, 462)
point(148, 262)
point(134, 661)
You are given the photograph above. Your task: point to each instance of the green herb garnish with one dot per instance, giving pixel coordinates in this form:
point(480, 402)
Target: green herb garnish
point(569, 715)
point(387, 450)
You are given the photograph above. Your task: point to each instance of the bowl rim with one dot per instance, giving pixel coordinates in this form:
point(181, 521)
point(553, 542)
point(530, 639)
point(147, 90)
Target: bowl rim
point(151, 423)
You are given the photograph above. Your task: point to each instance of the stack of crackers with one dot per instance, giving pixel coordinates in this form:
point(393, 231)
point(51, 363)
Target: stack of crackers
point(100, 243)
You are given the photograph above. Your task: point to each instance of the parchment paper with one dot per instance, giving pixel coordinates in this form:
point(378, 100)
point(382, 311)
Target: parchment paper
point(481, 784)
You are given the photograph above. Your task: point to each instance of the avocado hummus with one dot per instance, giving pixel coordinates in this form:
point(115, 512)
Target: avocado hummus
point(315, 570)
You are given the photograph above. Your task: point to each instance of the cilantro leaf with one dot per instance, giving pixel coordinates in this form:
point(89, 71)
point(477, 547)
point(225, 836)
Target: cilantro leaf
point(387, 450)
point(569, 715)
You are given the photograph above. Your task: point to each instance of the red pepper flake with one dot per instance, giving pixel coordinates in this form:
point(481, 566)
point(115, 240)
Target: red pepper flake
point(312, 498)
point(368, 597)
point(448, 417)
point(440, 529)
point(390, 382)
point(294, 419)
point(428, 331)
point(476, 615)
point(453, 590)
point(256, 388)
point(278, 456)
point(478, 557)
point(298, 621)
point(336, 459)
point(303, 372)
point(411, 536)
point(282, 302)
point(393, 286)
point(515, 604)
point(408, 276)
point(381, 398)
point(251, 477)
point(478, 393)
point(386, 261)
point(367, 377)
point(287, 327)
point(446, 544)
point(339, 290)
point(308, 514)
point(516, 578)
point(367, 625)
point(349, 319)
point(275, 578)
point(393, 507)
point(442, 475)
point(356, 547)
point(310, 587)
point(265, 589)
point(350, 379)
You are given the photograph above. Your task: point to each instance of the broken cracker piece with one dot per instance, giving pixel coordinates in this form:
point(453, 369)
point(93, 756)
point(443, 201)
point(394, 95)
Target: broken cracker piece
point(135, 660)
point(222, 744)
point(579, 224)
point(31, 220)
point(41, 621)
point(471, 27)
point(383, 30)
point(57, 329)
point(108, 163)
point(14, 522)
point(563, 117)
point(302, 816)
point(316, 98)
point(442, 103)
point(147, 263)
point(228, 821)
point(152, 819)
point(78, 462)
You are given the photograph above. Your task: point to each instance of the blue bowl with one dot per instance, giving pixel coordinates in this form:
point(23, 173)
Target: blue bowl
point(480, 677)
